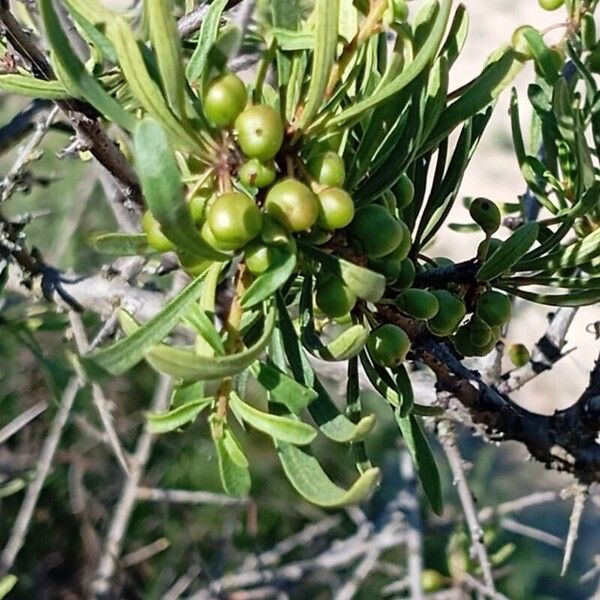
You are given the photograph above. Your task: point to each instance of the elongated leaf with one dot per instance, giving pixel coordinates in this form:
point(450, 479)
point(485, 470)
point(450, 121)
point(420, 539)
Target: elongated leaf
point(310, 481)
point(32, 87)
point(284, 429)
point(143, 88)
point(7, 583)
point(93, 11)
point(346, 346)
point(75, 70)
point(165, 41)
point(207, 37)
point(205, 328)
point(176, 418)
point(266, 284)
point(92, 34)
point(233, 466)
point(366, 284)
point(283, 389)
point(507, 255)
point(186, 365)
point(405, 391)
point(497, 75)
point(420, 62)
point(418, 447)
point(124, 354)
point(570, 298)
point(162, 186)
point(326, 30)
point(121, 244)
point(293, 40)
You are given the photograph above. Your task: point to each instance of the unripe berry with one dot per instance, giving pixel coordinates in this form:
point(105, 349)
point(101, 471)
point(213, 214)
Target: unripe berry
point(333, 297)
point(256, 173)
point(493, 307)
point(328, 169)
point(225, 99)
point(336, 208)
point(486, 214)
point(234, 220)
point(388, 345)
point(518, 354)
point(260, 132)
point(375, 231)
point(419, 304)
point(293, 204)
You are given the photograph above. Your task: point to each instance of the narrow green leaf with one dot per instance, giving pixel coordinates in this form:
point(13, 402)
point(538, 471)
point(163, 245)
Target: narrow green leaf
point(75, 70)
point(124, 354)
point(7, 583)
point(308, 478)
point(207, 37)
point(366, 284)
point(165, 41)
point(405, 391)
point(283, 389)
point(266, 284)
point(571, 298)
point(326, 31)
point(121, 244)
point(233, 466)
point(144, 89)
point(178, 417)
point(186, 365)
point(293, 40)
point(420, 62)
point(284, 429)
point(92, 34)
point(507, 255)
point(418, 446)
point(503, 67)
point(163, 191)
point(205, 328)
point(31, 87)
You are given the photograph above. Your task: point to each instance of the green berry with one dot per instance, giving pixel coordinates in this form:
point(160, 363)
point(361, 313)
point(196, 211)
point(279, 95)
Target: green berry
point(451, 312)
point(234, 220)
point(407, 274)
point(256, 173)
point(334, 298)
point(225, 99)
point(260, 132)
point(493, 307)
point(388, 345)
point(293, 204)
point(419, 304)
point(259, 257)
point(328, 169)
point(375, 231)
point(336, 208)
point(405, 191)
point(486, 214)
point(518, 354)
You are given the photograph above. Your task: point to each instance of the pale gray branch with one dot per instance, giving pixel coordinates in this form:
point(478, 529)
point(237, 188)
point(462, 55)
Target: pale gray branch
point(23, 419)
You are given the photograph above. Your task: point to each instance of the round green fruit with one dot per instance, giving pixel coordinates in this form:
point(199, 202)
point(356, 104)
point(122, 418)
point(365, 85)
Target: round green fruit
point(493, 308)
point(259, 257)
point(432, 581)
point(334, 298)
point(328, 169)
point(256, 173)
point(375, 231)
point(260, 132)
point(407, 274)
point(551, 4)
point(419, 304)
point(452, 311)
point(156, 238)
point(480, 333)
point(462, 342)
point(225, 99)
point(518, 354)
point(390, 269)
point(486, 214)
point(193, 265)
point(293, 204)
point(388, 345)
point(336, 208)
point(199, 204)
point(405, 191)
point(234, 220)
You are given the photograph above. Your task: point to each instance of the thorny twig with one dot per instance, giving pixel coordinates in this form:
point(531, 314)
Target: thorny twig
point(448, 441)
point(23, 520)
point(580, 493)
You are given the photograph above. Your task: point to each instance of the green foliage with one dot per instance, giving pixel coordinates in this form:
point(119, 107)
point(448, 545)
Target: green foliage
point(324, 187)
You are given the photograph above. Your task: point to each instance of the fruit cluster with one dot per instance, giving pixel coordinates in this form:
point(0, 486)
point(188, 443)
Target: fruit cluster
point(259, 192)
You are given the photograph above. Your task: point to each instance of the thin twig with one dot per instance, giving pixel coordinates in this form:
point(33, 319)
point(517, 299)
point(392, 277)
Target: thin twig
point(531, 532)
point(23, 419)
point(98, 397)
point(359, 574)
point(581, 493)
point(113, 542)
point(187, 497)
point(182, 584)
point(409, 505)
point(448, 441)
point(23, 520)
point(144, 553)
point(517, 505)
point(27, 155)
